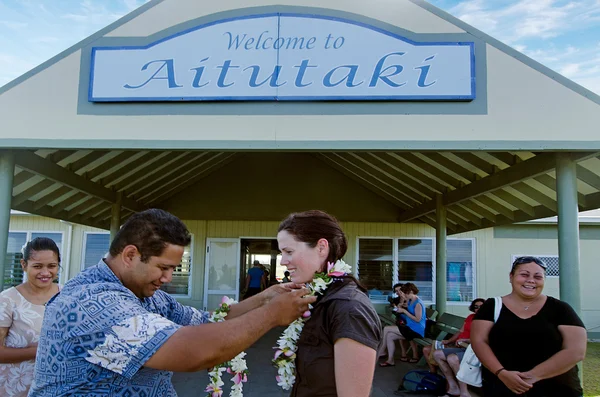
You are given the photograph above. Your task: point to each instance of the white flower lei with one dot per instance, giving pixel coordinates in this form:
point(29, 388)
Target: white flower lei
point(286, 348)
point(237, 366)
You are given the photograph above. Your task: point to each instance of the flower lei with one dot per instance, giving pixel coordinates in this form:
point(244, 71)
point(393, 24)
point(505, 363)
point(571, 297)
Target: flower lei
point(237, 366)
point(286, 348)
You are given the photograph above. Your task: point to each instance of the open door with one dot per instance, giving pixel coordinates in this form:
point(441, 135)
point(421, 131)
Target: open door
point(222, 271)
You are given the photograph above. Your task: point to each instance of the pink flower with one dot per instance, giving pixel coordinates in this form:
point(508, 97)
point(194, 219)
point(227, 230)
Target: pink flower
point(277, 354)
point(306, 314)
point(278, 378)
point(289, 353)
point(330, 266)
point(216, 392)
point(224, 299)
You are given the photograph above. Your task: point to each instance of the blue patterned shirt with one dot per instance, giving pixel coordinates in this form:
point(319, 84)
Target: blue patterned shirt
point(97, 335)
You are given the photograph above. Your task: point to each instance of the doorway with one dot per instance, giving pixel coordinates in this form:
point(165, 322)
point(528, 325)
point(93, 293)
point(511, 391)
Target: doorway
point(266, 252)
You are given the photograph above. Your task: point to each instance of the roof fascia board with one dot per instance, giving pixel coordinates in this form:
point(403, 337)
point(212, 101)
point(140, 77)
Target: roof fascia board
point(510, 51)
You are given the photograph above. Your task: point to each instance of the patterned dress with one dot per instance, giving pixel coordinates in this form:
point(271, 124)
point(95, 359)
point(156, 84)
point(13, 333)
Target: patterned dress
point(24, 320)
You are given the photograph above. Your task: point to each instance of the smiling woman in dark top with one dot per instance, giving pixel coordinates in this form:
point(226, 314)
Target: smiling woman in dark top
point(536, 343)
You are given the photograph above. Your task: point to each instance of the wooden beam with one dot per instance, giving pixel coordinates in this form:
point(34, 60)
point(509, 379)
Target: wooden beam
point(144, 167)
point(75, 199)
point(367, 184)
point(478, 210)
point(32, 191)
point(47, 169)
point(536, 195)
point(456, 208)
point(47, 212)
point(410, 170)
point(388, 173)
point(193, 175)
point(383, 182)
point(55, 195)
point(550, 183)
point(496, 206)
point(144, 186)
point(588, 177)
point(450, 165)
point(514, 201)
point(476, 161)
point(530, 168)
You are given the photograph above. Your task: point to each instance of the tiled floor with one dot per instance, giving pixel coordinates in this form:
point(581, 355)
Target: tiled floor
point(262, 375)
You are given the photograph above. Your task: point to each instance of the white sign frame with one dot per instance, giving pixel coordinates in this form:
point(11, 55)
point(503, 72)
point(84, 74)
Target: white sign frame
point(359, 63)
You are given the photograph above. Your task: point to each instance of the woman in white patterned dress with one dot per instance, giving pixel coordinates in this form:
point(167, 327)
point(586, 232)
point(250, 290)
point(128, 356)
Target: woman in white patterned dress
point(21, 313)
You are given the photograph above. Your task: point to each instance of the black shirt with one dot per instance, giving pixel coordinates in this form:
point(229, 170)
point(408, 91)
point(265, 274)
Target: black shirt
point(343, 312)
point(521, 344)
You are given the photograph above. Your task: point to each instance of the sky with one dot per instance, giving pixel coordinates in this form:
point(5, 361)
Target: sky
point(563, 35)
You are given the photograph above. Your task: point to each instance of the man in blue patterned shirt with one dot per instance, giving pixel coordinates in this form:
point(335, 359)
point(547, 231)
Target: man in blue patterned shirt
point(112, 332)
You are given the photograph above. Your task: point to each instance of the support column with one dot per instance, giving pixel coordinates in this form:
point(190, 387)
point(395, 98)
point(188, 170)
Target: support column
point(115, 216)
point(440, 255)
point(7, 172)
point(568, 231)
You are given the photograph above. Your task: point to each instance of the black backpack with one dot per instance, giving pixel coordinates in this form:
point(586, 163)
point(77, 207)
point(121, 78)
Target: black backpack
point(422, 382)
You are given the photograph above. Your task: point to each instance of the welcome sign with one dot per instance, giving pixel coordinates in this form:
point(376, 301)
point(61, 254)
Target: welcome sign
point(283, 57)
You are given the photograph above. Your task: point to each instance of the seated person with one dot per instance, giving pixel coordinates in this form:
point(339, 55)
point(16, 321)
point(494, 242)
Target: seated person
point(448, 358)
point(391, 333)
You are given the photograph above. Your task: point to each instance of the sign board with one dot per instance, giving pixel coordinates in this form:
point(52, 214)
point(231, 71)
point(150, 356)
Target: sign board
point(284, 57)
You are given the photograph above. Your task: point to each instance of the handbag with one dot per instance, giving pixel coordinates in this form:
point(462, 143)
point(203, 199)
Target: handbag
point(470, 366)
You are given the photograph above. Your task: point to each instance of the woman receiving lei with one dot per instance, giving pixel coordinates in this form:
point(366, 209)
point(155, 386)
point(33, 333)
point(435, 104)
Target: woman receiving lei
point(332, 350)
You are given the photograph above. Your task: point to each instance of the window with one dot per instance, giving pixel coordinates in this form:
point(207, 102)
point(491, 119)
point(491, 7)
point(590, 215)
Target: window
point(551, 262)
point(376, 265)
point(13, 273)
point(180, 285)
point(96, 246)
point(415, 265)
point(459, 270)
point(383, 262)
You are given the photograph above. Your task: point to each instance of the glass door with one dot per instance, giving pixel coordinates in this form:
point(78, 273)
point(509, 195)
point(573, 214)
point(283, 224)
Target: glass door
point(222, 271)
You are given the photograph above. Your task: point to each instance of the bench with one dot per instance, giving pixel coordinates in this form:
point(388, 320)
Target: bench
point(447, 324)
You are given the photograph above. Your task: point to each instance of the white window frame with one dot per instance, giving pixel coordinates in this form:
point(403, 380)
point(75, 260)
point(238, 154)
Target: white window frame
point(85, 236)
point(515, 256)
point(63, 255)
point(433, 262)
point(191, 277)
point(192, 247)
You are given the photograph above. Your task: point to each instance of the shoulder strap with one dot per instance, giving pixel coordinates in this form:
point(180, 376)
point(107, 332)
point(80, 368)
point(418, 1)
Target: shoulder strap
point(497, 307)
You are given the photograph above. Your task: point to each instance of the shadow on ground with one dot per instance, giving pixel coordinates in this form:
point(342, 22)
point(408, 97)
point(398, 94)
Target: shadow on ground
point(262, 375)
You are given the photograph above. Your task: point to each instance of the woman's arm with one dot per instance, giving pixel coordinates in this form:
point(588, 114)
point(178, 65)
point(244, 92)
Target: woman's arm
point(354, 368)
point(418, 313)
point(454, 337)
point(572, 352)
point(10, 355)
point(480, 331)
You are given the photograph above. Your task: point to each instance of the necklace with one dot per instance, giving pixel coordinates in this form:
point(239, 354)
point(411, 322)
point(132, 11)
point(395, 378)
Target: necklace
point(287, 344)
point(237, 366)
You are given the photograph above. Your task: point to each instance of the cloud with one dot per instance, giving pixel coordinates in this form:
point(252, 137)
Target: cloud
point(14, 25)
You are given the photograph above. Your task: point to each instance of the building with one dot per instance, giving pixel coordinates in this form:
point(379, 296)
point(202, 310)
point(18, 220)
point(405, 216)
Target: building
point(404, 122)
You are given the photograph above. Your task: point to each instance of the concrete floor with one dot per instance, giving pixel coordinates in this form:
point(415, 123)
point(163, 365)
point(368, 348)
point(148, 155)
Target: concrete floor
point(262, 375)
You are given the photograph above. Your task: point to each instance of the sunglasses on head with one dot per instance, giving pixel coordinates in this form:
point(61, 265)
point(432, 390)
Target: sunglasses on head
point(528, 259)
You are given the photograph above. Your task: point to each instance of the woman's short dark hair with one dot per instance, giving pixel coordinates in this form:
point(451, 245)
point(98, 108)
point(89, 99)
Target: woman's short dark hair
point(40, 244)
point(396, 286)
point(407, 288)
point(311, 226)
point(472, 305)
point(150, 231)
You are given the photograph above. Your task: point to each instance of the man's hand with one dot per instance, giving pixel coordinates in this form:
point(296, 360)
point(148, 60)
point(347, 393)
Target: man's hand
point(514, 381)
point(529, 377)
point(278, 289)
point(287, 307)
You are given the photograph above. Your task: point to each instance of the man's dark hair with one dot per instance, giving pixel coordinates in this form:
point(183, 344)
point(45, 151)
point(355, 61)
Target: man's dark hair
point(40, 244)
point(150, 231)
